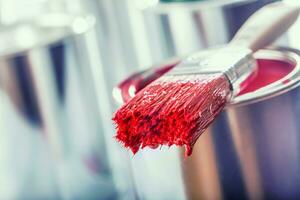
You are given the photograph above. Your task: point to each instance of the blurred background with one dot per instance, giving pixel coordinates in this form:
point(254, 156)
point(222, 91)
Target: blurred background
point(59, 61)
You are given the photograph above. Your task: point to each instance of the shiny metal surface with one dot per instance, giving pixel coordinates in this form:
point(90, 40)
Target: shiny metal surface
point(51, 144)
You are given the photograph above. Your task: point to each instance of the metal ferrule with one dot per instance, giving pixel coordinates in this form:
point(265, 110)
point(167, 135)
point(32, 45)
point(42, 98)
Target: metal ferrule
point(234, 62)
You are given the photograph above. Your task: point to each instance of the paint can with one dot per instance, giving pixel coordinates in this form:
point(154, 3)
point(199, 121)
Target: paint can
point(251, 151)
point(51, 146)
point(181, 27)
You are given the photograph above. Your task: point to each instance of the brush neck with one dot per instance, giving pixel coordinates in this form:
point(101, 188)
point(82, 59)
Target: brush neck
point(241, 71)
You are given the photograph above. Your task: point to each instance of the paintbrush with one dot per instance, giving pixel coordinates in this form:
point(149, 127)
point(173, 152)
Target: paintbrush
point(177, 108)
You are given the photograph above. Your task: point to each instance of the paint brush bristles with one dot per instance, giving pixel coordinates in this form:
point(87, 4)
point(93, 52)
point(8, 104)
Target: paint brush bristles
point(174, 110)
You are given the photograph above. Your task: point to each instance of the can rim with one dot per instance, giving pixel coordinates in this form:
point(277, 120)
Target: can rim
point(169, 7)
point(60, 26)
point(278, 87)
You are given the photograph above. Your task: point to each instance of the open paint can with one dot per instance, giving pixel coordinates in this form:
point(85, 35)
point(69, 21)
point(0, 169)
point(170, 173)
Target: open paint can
point(251, 151)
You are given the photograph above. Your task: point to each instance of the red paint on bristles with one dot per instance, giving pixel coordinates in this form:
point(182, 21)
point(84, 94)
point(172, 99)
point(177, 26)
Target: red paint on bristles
point(173, 110)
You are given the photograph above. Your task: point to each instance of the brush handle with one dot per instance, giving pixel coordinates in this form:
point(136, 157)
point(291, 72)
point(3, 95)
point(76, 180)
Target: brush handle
point(266, 25)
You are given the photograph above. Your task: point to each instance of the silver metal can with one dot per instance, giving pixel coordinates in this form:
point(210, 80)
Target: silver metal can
point(182, 27)
point(51, 141)
point(251, 151)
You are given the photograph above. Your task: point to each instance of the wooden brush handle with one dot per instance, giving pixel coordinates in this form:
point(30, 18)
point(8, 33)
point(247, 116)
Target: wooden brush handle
point(266, 25)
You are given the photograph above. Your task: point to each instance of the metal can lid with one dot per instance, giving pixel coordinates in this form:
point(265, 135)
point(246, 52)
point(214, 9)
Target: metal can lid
point(288, 57)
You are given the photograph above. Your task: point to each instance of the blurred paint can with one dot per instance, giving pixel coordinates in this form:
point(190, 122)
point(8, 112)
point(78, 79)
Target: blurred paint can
point(51, 143)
